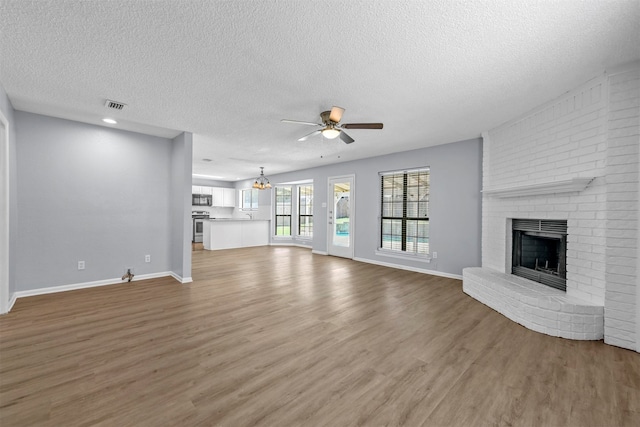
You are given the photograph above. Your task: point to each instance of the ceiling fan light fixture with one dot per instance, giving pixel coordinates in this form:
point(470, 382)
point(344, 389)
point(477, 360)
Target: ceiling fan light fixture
point(331, 127)
point(330, 133)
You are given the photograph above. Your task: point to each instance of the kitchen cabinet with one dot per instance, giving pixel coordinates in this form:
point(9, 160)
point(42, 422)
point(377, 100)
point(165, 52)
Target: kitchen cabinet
point(224, 197)
point(235, 233)
point(255, 233)
point(229, 197)
point(217, 194)
point(201, 189)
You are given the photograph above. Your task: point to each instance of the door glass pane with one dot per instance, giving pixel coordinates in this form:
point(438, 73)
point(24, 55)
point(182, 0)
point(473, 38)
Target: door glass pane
point(341, 209)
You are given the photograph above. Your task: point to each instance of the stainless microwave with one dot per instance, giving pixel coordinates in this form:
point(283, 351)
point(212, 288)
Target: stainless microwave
point(201, 199)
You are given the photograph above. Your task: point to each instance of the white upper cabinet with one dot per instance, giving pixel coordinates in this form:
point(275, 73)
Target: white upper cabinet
point(217, 194)
point(229, 197)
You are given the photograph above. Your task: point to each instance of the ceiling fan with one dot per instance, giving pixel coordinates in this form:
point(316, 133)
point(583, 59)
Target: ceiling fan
point(331, 127)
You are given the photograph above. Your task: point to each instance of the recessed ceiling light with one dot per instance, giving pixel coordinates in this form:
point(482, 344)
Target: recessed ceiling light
point(110, 121)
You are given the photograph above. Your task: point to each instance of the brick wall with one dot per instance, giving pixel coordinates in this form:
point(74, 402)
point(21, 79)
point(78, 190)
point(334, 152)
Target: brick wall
point(563, 139)
point(622, 209)
point(590, 131)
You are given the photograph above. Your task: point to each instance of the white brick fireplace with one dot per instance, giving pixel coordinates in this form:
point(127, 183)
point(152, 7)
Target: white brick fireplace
point(575, 159)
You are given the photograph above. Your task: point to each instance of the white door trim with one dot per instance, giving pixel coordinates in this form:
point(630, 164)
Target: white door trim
point(4, 216)
point(352, 207)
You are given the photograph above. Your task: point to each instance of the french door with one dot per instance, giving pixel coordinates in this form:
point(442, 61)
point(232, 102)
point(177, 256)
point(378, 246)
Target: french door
point(340, 216)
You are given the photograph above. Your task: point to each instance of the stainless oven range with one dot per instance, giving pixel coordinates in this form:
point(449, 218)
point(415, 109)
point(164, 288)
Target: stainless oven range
point(198, 218)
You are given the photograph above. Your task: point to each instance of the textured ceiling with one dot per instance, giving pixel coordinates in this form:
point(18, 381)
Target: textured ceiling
point(433, 72)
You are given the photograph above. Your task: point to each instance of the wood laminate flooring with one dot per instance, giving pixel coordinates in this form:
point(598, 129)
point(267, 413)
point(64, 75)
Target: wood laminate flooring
point(278, 336)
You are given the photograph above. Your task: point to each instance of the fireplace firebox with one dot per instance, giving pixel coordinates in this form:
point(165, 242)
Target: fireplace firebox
point(540, 251)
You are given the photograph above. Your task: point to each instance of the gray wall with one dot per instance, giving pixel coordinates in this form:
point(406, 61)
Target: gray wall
point(455, 203)
point(89, 193)
point(8, 112)
point(181, 149)
point(211, 183)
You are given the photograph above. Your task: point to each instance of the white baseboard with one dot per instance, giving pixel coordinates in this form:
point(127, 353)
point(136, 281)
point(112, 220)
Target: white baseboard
point(75, 286)
point(181, 279)
point(415, 269)
point(319, 252)
point(299, 245)
point(12, 301)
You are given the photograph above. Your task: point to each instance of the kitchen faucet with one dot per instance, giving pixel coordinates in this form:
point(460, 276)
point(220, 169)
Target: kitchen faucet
point(250, 215)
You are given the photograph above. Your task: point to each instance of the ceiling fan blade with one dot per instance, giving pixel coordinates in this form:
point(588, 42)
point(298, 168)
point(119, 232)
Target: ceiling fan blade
point(301, 123)
point(346, 138)
point(336, 114)
point(362, 126)
point(314, 133)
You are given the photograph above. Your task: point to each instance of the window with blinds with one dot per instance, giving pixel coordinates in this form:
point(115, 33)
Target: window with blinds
point(404, 220)
point(305, 210)
point(283, 211)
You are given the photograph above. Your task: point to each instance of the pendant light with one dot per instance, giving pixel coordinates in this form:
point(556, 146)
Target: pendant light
point(262, 182)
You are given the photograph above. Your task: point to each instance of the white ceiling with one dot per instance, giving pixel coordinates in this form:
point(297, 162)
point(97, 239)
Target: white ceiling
point(432, 71)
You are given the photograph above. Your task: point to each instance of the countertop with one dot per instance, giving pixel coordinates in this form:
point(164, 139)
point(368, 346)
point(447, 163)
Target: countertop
point(235, 219)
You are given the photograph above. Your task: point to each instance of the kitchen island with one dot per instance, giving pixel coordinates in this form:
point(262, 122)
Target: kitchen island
point(228, 233)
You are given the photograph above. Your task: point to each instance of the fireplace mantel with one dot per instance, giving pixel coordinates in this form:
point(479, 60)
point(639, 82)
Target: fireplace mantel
point(567, 186)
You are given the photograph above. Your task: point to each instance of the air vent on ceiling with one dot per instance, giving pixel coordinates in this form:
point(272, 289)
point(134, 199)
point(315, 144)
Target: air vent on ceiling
point(115, 105)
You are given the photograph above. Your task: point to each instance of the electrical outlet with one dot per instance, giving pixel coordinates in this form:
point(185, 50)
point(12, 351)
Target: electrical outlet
point(435, 255)
point(80, 265)
point(147, 258)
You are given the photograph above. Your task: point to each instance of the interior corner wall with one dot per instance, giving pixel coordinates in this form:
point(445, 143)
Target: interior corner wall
point(622, 310)
point(89, 193)
point(8, 112)
point(181, 166)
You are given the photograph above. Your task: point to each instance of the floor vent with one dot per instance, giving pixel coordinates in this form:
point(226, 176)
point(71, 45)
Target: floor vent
point(115, 105)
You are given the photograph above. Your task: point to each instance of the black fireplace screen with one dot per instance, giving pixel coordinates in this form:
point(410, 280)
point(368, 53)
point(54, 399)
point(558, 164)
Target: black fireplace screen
point(540, 251)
